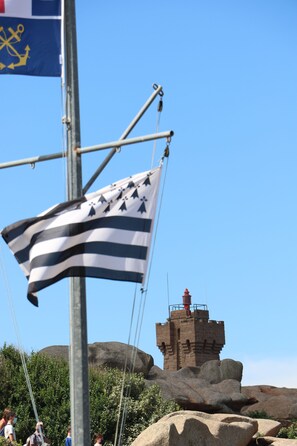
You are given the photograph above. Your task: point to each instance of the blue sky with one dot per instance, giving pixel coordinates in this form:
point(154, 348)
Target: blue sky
point(228, 222)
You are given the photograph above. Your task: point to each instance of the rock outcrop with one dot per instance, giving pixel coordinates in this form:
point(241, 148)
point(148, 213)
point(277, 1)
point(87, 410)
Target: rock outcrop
point(277, 402)
point(187, 428)
point(212, 387)
point(271, 441)
point(216, 387)
point(190, 428)
point(268, 427)
point(109, 354)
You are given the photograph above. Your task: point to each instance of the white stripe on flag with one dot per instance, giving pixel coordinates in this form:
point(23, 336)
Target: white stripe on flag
point(106, 234)
point(88, 260)
point(63, 243)
point(22, 9)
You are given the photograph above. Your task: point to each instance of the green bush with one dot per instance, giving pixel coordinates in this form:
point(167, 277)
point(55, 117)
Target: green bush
point(49, 379)
point(260, 414)
point(144, 406)
point(5, 442)
point(288, 432)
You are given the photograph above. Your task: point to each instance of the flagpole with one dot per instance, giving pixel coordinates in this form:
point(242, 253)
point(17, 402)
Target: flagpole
point(78, 352)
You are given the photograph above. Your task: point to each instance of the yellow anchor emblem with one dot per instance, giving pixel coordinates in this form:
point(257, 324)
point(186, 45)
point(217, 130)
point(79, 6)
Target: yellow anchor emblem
point(9, 43)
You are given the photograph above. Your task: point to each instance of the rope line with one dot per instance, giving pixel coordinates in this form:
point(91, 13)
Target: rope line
point(3, 270)
point(157, 226)
point(16, 328)
point(126, 391)
point(120, 422)
point(159, 111)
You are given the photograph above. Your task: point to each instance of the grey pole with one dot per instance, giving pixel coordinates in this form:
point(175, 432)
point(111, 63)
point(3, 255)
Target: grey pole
point(78, 352)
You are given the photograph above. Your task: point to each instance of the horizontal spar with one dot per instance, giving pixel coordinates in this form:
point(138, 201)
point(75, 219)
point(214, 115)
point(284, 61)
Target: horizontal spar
point(125, 142)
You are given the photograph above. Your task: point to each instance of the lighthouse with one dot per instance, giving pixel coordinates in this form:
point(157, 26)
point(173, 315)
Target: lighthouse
point(189, 338)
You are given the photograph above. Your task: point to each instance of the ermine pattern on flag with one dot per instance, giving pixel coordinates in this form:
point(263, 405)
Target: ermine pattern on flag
point(105, 234)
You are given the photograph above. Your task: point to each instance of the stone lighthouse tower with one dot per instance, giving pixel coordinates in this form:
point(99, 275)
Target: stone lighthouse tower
point(189, 337)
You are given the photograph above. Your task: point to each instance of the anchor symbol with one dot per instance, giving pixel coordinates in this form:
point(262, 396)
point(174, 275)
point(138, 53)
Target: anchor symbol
point(9, 42)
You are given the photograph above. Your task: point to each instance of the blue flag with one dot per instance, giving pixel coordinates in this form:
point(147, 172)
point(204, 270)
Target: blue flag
point(30, 37)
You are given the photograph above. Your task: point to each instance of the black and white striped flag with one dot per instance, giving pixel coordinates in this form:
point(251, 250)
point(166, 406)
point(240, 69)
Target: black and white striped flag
point(105, 234)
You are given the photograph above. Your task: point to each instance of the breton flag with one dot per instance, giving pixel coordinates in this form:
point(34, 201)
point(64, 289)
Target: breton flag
point(30, 37)
point(105, 234)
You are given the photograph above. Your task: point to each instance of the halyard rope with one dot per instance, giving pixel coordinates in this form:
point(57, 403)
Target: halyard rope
point(5, 275)
point(122, 411)
point(16, 328)
point(159, 111)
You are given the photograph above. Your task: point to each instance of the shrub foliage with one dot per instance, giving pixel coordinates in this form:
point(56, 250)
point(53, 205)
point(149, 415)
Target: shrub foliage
point(49, 378)
point(261, 414)
point(288, 432)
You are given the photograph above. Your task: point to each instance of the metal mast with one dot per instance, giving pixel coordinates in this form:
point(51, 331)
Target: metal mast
point(78, 351)
point(78, 358)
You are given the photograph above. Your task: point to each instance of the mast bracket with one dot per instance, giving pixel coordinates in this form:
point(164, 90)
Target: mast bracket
point(66, 121)
point(161, 92)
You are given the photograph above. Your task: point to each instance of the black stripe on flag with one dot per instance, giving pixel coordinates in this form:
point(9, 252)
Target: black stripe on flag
point(110, 242)
point(117, 222)
point(100, 248)
point(17, 229)
point(80, 271)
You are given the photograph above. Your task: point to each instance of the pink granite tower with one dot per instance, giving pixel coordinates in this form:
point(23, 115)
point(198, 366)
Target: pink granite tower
point(189, 337)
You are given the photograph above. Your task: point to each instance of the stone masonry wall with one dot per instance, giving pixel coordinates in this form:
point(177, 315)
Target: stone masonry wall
point(189, 339)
